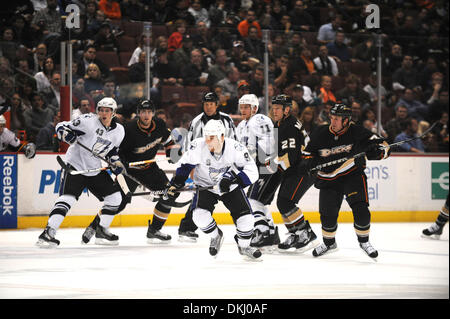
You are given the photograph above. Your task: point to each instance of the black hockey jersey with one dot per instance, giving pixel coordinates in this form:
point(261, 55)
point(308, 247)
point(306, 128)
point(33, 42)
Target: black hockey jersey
point(326, 146)
point(142, 144)
point(292, 140)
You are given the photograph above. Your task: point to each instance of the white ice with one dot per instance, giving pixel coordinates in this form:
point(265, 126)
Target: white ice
point(408, 267)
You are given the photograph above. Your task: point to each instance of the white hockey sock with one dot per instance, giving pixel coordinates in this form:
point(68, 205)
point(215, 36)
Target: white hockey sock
point(203, 219)
point(55, 221)
point(244, 229)
point(106, 220)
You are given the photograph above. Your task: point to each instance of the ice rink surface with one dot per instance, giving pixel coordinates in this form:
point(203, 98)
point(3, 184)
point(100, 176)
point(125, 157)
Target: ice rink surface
point(408, 267)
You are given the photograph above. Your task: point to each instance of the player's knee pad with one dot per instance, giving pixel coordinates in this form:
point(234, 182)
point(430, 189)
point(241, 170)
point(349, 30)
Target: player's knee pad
point(111, 203)
point(329, 222)
point(244, 226)
point(203, 219)
point(361, 214)
point(163, 206)
point(286, 206)
point(63, 204)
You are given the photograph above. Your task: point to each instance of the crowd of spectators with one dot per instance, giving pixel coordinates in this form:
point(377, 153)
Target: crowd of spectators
point(320, 52)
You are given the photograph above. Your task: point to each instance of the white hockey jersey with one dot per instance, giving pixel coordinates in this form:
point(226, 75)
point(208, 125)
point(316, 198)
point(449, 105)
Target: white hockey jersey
point(257, 134)
point(8, 138)
point(210, 168)
point(92, 134)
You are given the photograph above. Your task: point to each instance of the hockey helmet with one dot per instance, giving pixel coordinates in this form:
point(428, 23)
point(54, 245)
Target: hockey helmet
point(214, 128)
point(250, 99)
point(108, 102)
point(2, 120)
point(340, 109)
point(282, 99)
point(146, 105)
point(210, 97)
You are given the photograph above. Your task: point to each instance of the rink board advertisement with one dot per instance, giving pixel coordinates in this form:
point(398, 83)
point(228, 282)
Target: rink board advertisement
point(8, 193)
point(399, 188)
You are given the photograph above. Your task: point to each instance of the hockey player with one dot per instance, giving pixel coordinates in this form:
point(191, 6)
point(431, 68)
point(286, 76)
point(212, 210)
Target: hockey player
point(221, 161)
point(292, 138)
point(103, 135)
point(143, 137)
point(210, 103)
point(256, 132)
point(435, 230)
point(10, 142)
point(341, 138)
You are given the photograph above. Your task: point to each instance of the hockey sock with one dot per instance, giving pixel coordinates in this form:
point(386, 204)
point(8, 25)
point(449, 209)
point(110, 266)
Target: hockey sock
point(269, 220)
point(443, 216)
point(244, 229)
point(159, 219)
point(203, 219)
point(293, 219)
point(362, 232)
point(106, 218)
point(55, 220)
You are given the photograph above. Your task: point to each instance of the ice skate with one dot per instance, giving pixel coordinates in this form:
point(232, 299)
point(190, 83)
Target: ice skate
point(47, 238)
point(104, 237)
point(155, 236)
point(265, 241)
point(216, 243)
point(89, 232)
point(433, 232)
point(324, 249)
point(369, 250)
point(187, 236)
point(251, 253)
point(300, 241)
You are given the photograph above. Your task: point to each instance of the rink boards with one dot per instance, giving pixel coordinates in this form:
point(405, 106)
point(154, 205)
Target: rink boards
point(402, 188)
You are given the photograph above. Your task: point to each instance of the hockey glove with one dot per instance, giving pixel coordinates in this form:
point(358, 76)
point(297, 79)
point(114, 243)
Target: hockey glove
point(116, 166)
point(66, 134)
point(374, 152)
point(227, 180)
point(305, 166)
point(175, 184)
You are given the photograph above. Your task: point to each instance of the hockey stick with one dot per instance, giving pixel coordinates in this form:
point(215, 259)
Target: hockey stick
point(73, 172)
point(344, 159)
point(163, 191)
point(148, 161)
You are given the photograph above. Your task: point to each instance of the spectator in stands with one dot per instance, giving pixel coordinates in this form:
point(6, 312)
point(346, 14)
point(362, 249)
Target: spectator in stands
point(393, 126)
point(36, 117)
point(196, 72)
point(199, 13)
point(253, 44)
point(307, 117)
point(140, 47)
point(217, 12)
point(161, 13)
point(39, 57)
point(18, 108)
point(6, 71)
point(22, 30)
point(46, 139)
point(167, 73)
point(8, 43)
point(327, 32)
point(111, 8)
point(296, 43)
point(90, 56)
point(305, 64)
point(431, 93)
point(182, 56)
point(43, 78)
point(93, 80)
point(52, 94)
point(23, 73)
point(393, 60)
point(438, 107)
point(26, 92)
point(406, 35)
point(372, 89)
point(324, 64)
point(368, 115)
point(218, 70)
point(283, 73)
point(324, 114)
point(136, 71)
point(278, 46)
point(105, 40)
point(176, 38)
point(6, 90)
point(257, 81)
point(79, 93)
point(263, 109)
point(298, 96)
point(239, 57)
point(202, 38)
point(229, 84)
point(181, 12)
point(226, 104)
point(132, 9)
point(407, 75)
point(47, 21)
point(301, 20)
point(409, 130)
point(250, 20)
point(83, 107)
point(337, 49)
point(353, 91)
point(90, 11)
point(440, 131)
point(365, 51)
point(356, 112)
point(416, 109)
point(325, 94)
point(222, 38)
point(93, 26)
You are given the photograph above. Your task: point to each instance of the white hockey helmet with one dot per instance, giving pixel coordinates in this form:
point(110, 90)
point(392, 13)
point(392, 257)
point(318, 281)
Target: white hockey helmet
point(214, 127)
point(251, 99)
point(2, 120)
point(107, 102)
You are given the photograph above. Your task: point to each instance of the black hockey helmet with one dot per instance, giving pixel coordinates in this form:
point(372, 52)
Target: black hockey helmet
point(146, 105)
point(210, 97)
point(341, 109)
point(282, 99)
